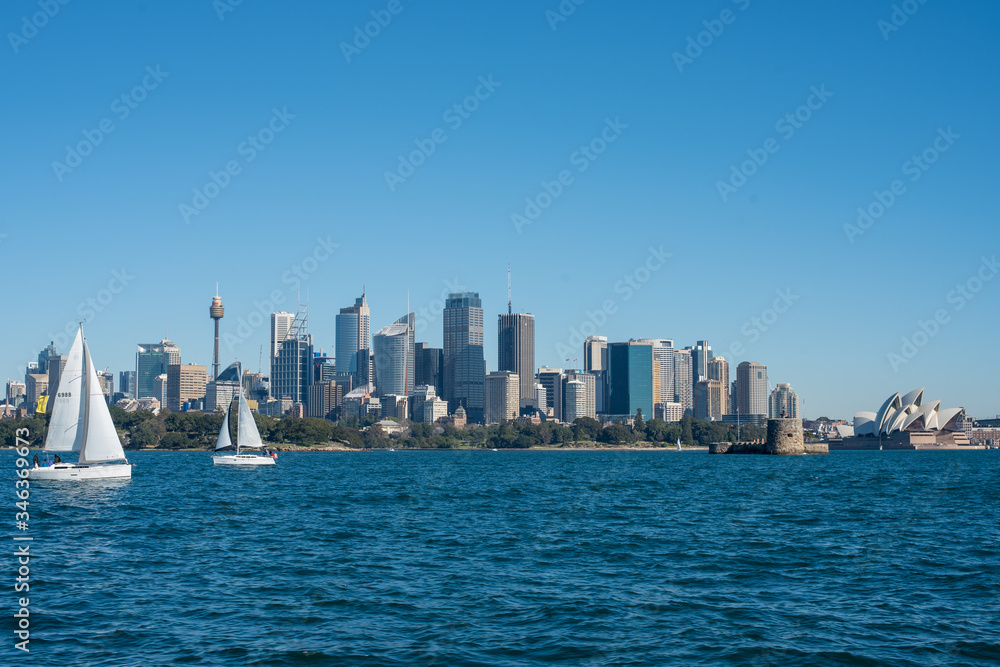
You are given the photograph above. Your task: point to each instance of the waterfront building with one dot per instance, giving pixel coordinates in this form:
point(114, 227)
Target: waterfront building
point(784, 402)
point(907, 422)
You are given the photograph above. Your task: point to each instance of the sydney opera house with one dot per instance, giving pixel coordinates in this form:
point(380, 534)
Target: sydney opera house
point(907, 422)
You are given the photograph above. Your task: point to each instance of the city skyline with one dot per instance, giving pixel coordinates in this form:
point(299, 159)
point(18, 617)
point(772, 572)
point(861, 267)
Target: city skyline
point(578, 362)
point(755, 197)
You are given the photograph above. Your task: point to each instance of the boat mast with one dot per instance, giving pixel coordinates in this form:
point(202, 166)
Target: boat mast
point(86, 398)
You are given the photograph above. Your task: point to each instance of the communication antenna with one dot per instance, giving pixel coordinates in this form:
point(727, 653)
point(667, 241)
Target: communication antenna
point(509, 310)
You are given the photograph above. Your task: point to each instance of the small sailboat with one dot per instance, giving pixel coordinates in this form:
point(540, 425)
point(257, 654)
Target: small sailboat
point(678, 444)
point(247, 437)
point(81, 422)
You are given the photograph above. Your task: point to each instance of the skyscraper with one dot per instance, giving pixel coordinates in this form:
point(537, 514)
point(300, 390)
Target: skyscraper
point(784, 402)
point(464, 362)
point(292, 368)
point(428, 365)
point(663, 368)
point(353, 345)
point(516, 350)
point(282, 326)
point(575, 400)
point(683, 385)
point(501, 397)
point(151, 361)
point(595, 353)
point(751, 389)
point(394, 358)
point(551, 379)
point(718, 369)
point(701, 354)
point(185, 383)
point(584, 403)
point(630, 379)
point(595, 362)
point(708, 399)
point(57, 363)
point(126, 383)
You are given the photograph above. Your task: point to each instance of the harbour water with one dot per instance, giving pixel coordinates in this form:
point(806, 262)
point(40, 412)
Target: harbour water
point(520, 558)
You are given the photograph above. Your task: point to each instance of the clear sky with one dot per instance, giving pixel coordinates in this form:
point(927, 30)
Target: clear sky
point(309, 117)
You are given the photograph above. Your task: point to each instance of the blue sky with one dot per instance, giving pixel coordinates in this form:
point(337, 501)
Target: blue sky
point(850, 297)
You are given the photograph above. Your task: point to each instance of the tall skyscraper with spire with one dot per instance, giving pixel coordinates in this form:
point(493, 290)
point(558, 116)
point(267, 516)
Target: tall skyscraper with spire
point(516, 348)
point(353, 345)
point(464, 361)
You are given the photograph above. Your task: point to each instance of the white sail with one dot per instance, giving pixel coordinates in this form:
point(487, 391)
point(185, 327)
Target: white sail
point(66, 425)
point(100, 439)
point(224, 440)
point(247, 434)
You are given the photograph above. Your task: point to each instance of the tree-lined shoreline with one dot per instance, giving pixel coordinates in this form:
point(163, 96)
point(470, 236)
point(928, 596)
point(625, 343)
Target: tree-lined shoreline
point(142, 430)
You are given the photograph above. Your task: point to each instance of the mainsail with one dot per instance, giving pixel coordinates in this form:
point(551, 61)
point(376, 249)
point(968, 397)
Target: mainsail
point(66, 425)
point(100, 439)
point(247, 435)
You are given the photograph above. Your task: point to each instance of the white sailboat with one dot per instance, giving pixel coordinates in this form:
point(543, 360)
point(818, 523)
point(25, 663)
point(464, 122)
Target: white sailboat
point(247, 437)
point(81, 422)
point(678, 444)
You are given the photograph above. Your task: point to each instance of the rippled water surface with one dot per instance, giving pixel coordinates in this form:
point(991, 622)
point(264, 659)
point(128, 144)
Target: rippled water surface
point(517, 558)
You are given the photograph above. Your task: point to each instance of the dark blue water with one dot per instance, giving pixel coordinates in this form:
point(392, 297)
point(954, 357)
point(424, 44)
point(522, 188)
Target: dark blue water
point(518, 558)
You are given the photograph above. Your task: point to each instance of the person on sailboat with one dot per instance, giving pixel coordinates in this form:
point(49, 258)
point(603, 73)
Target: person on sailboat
point(35, 460)
point(56, 460)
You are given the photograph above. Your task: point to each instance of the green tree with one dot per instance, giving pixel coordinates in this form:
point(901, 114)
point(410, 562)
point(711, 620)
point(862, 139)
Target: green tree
point(616, 434)
point(586, 429)
point(638, 425)
point(687, 435)
point(656, 430)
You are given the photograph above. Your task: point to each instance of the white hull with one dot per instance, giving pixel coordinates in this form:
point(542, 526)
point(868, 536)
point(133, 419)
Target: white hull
point(72, 471)
point(242, 460)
